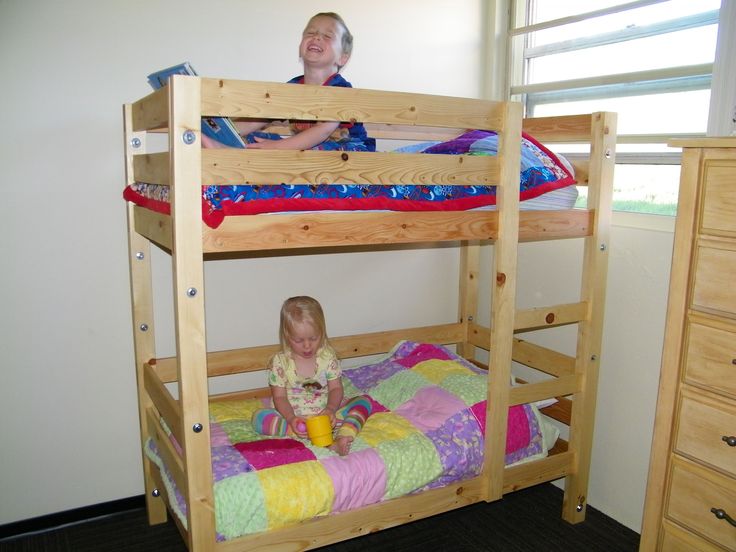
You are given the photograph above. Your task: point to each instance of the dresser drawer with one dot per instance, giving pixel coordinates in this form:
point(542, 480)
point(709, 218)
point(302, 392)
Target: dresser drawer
point(710, 357)
point(676, 539)
point(703, 424)
point(719, 201)
point(694, 490)
point(714, 270)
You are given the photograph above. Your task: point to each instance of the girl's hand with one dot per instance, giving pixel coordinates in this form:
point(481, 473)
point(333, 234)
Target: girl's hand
point(329, 412)
point(299, 426)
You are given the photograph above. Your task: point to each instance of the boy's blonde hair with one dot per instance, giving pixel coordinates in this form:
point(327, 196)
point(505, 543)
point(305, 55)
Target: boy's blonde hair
point(347, 37)
point(301, 309)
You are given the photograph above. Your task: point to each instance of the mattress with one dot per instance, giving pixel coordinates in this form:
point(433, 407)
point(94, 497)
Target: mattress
point(542, 172)
point(426, 431)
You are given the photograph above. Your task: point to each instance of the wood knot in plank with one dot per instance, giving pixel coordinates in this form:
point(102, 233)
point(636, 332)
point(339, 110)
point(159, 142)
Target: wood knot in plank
point(344, 157)
point(550, 318)
point(500, 278)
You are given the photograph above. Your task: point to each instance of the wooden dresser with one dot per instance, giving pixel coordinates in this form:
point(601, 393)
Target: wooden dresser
point(691, 492)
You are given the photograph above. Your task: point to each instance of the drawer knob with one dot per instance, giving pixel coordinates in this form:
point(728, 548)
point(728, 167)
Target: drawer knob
point(730, 440)
point(721, 514)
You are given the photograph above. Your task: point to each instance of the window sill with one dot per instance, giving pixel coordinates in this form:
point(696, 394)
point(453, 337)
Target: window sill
point(644, 221)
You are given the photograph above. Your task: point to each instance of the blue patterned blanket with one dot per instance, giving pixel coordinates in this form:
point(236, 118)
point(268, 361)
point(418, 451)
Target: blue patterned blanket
point(541, 172)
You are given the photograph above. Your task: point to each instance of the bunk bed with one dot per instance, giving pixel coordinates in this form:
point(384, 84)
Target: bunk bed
point(179, 424)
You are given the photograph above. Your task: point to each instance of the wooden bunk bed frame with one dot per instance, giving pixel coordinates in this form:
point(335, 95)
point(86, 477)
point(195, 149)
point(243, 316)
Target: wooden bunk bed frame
point(185, 167)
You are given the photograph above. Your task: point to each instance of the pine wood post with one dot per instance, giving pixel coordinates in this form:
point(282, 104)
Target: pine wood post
point(468, 293)
point(590, 331)
point(188, 274)
point(503, 301)
point(141, 297)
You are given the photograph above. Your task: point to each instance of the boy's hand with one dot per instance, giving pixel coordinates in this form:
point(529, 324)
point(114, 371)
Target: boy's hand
point(208, 142)
point(264, 143)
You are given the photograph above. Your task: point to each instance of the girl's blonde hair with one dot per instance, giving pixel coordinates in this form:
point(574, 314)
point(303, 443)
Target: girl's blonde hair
point(347, 36)
point(300, 309)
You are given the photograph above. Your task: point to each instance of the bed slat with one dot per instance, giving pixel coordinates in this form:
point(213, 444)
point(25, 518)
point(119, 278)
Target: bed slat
point(167, 406)
point(152, 168)
point(535, 356)
point(154, 226)
point(236, 166)
point(383, 342)
point(581, 167)
point(559, 411)
point(258, 233)
point(271, 100)
point(253, 359)
point(163, 497)
point(548, 317)
point(554, 225)
point(167, 452)
point(547, 389)
point(539, 471)
point(573, 128)
point(352, 523)
point(152, 111)
point(543, 359)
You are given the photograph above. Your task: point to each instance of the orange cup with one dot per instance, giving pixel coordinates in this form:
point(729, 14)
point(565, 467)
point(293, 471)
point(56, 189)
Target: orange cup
point(319, 430)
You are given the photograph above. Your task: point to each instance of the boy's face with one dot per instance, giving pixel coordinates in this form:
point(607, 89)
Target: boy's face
point(321, 44)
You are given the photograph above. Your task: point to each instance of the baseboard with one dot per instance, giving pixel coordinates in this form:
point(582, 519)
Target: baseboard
point(77, 515)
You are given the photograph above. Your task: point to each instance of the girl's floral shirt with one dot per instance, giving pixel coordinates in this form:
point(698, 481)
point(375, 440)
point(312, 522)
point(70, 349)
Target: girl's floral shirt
point(308, 396)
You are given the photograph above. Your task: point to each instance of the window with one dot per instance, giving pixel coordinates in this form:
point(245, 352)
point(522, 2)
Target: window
point(651, 61)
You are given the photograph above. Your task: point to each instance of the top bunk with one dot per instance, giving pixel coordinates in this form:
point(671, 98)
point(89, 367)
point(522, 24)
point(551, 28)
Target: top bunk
point(182, 167)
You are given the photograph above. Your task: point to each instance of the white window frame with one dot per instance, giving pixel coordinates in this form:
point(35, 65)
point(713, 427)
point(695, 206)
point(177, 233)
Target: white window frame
point(722, 116)
point(671, 79)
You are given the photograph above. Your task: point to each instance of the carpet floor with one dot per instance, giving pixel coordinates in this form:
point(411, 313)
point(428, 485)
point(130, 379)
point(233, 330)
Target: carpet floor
point(524, 521)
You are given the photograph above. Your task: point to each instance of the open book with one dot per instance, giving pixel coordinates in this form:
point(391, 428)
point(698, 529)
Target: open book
point(221, 129)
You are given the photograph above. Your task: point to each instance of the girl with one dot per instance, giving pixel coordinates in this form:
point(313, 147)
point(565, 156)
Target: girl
point(305, 379)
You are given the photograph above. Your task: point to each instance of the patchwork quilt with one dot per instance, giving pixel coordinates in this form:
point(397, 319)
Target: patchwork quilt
point(426, 431)
point(541, 172)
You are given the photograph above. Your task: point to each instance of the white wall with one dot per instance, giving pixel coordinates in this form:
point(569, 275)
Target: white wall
point(639, 262)
point(69, 435)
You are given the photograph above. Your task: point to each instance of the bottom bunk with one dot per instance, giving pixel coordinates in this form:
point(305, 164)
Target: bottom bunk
point(425, 432)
